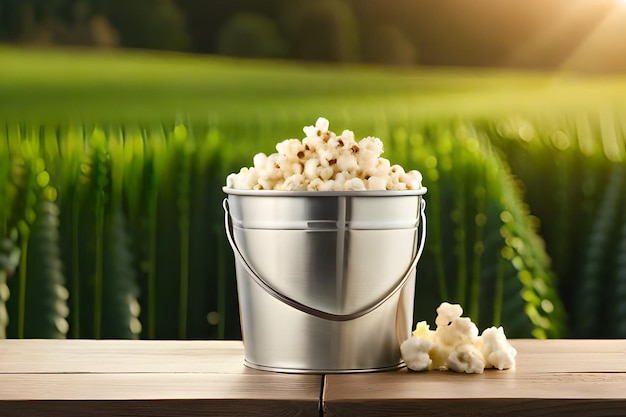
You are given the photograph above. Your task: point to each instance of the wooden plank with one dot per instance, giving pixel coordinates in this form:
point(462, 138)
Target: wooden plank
point(539, 356)
point(43, 356)
point(78, 377)
point(145, 378)
point(512, 407)
point(157, 408)
point(257, 385)
point(573, 378)
point(577, 346)
point(26, 356)
point(492, 384)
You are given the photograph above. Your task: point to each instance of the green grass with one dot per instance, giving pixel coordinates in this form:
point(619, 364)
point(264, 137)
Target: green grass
point(139, 86)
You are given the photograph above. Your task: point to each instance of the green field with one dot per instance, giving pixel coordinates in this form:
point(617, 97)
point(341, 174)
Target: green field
point(141, 87)
point(111, 167)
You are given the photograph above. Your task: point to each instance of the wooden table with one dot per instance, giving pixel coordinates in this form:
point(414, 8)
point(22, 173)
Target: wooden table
point(184, 378)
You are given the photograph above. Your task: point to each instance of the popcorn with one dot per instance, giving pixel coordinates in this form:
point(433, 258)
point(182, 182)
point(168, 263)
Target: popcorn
point(354, 184)
point(446, 313)
point(414, 351)
point(466, 358)
point(496, 350)
point(324, 161)
point(460, 330)
point(456, 345)
point(422, 330)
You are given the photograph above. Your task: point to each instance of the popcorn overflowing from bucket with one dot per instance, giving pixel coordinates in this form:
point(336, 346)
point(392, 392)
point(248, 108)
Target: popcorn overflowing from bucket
point(456, 345)
point(324, 161)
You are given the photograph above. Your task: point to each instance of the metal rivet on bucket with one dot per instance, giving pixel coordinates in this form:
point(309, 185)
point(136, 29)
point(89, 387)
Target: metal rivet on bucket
point(326, 280)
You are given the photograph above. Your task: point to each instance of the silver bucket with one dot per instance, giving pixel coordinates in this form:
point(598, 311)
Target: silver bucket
point(325, 280)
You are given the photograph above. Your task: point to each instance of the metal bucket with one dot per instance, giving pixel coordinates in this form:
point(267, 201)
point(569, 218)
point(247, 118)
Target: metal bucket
point(325, 280)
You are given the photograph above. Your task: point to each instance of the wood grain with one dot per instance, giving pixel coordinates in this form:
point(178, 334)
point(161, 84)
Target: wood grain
point(145, 378)
point(185, 378)
point(552, 378)
point(155, 386)
point(50, 356)
point(157, 408)
point(512, 407)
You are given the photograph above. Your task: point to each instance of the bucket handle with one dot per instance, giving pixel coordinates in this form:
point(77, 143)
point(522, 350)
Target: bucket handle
point(308, 309)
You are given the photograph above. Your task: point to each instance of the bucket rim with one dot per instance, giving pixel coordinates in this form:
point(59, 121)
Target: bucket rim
point(359, 193)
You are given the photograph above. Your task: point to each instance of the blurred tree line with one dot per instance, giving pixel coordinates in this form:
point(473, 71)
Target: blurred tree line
point(320, 29)
point(151, 24)
point(393, 32)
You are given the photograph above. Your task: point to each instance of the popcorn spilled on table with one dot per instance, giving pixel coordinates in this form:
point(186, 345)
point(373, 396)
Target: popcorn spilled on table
point(456, 345)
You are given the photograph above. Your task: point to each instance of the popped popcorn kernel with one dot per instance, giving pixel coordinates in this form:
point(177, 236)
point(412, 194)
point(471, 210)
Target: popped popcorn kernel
point(422, 330)
point(439, 354)
point(460, 330)
point(414, 351)
point(466, 358)
point(456, 345)
point(497, 351)
point(325, 161)
point(447, 312)
point(354, 184)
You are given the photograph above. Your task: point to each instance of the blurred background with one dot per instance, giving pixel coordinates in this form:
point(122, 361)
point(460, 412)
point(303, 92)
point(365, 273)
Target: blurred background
point(571, 35)
point(120, 120)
